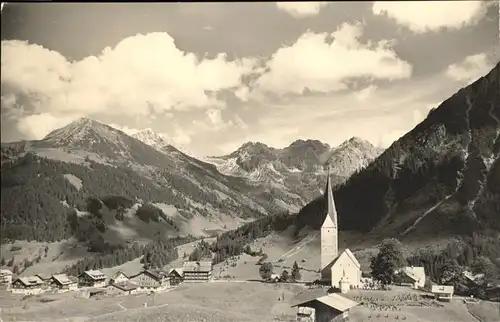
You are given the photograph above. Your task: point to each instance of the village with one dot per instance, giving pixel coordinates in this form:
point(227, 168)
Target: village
point(340, 291)
point(92, 283)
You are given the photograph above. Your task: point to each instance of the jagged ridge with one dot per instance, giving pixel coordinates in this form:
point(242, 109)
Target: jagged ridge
point(298, 168)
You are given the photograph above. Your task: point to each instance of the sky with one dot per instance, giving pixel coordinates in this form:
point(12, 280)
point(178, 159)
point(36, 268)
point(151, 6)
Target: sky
point(212, 76)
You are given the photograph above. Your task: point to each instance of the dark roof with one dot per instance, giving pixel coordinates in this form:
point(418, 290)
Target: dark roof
point(94, 274)
point(330, 201)
point(30, 280)
point(62, 279)
point(44, 276)
point(176, 271)
point(126, 286)
point(157, 275)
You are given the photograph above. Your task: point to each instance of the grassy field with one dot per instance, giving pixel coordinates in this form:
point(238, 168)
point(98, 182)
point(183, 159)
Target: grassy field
point(59, 255)
point(402, 303)
point(485, 311)
point(237, 301)
point(223, 301)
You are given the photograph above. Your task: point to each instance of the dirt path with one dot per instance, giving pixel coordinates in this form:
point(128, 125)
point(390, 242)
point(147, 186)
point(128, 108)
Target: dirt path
point(121, 306)
point(297, 248)
point(419, 219)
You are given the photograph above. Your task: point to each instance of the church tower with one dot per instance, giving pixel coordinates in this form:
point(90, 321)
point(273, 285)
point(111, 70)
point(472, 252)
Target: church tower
point(329, 231)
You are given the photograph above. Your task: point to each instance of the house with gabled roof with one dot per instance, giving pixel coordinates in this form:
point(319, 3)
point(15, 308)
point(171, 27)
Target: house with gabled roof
point(473, 278)
point(411, 276)
point(443, 292)
point(118, 278)
point(27, 285)
point(92, 278)
point(46, 278)
point(176, 276)
point(150, 280)
point(64, 283)
point(123, 288)
point(334, 266)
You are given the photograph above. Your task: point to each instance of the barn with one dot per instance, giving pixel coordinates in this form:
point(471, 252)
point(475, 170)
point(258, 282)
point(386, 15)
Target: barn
point(326, 308)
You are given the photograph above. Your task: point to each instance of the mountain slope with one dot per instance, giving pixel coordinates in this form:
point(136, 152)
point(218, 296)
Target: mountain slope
point(42, 180)
point(441, 177)
point(159, 141)
point(298, 168)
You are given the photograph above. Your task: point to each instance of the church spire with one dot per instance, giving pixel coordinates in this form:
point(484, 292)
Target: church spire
point(330, 202)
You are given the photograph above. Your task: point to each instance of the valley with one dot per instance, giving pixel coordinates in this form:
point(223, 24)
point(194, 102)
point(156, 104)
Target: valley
point(281, 161)
point(238, 294)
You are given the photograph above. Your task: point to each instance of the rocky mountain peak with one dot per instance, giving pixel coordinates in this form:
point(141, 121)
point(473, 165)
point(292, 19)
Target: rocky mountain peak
point(80, 131)
point(351, 156)
point(151, 138)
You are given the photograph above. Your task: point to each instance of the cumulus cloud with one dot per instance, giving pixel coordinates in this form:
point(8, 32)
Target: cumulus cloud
point(470, 69)
point(314, 63)
point(141, 74)
point(301, 9)
point(37, 126)
point(366, 93)
point(424, 16)
point(213, 122)
point(125, 129)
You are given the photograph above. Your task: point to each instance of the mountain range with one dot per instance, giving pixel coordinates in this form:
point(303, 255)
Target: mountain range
point(300, 167)
point(87, 163)
point(90, 179)
point(441, 178)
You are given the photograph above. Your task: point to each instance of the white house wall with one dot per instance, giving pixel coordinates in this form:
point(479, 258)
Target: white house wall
point(352, 272)
point(120, 279)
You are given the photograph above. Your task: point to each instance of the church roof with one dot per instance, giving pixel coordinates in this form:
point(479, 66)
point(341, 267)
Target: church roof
point(349, 254)
point(330, 202)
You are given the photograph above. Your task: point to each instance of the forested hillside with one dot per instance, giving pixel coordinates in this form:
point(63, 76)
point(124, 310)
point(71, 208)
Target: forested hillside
point(37, 196)
point(34, 191)
point(445, 172)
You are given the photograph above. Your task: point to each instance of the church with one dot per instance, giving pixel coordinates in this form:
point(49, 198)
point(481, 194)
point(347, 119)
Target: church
point(343, 270)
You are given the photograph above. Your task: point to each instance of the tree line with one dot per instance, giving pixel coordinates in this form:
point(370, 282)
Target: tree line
point(36, 194)
point(154, 255)
point(479, 254)
point(235, 242)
